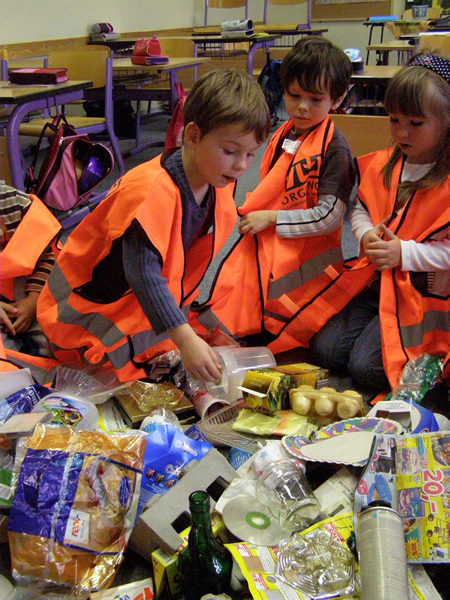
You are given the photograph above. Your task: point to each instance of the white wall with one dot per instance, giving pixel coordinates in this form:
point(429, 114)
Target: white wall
point(34, 20)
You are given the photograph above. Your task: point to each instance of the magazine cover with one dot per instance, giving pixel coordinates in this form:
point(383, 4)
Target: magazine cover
point(412, 473)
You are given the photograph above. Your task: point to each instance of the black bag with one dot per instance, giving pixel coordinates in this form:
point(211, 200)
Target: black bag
point(124, 117)
point(270, 82)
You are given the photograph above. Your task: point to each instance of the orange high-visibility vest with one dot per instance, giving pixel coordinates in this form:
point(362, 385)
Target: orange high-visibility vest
point(265, 281)
point(117, 333)
point(412, 322)
point(33, 235)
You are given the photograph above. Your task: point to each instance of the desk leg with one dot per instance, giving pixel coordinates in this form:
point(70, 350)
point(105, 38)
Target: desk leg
point(13, 145)
point(251, 52)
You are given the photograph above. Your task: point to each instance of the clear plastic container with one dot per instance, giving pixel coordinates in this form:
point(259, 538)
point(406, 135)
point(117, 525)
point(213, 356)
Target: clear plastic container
point(283, 488)
point(235, 364)
point(69, 410)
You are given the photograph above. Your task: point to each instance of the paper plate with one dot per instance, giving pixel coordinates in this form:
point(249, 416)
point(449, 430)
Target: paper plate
point(374, 424)
point(351, 449)
point(348, 453)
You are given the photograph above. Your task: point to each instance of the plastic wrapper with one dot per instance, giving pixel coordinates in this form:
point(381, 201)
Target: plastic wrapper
point(149, 396)
point(96, 385)
point(74, 506)
point(280, 422)
point(326, 403)
point(22, 401)
point(418, 376)
point(160, 416)
point(317, 564)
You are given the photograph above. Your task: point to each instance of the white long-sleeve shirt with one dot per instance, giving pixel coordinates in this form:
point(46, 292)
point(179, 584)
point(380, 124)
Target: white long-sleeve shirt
point(432, 257)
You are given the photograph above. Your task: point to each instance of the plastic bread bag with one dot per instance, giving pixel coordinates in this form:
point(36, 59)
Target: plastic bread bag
point(74, 506)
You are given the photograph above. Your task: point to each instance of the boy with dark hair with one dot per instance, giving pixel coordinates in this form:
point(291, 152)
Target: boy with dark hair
point(123, 284)
point(291, 222)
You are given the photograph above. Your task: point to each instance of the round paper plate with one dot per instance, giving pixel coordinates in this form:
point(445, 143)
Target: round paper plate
point(354, 452)
point(373, 424)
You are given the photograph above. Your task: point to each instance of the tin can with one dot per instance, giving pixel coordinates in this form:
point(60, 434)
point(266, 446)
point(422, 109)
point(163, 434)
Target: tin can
point(382, 555)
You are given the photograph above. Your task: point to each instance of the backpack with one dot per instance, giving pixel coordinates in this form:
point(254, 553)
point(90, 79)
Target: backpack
point(73, 166)
point(270, 82)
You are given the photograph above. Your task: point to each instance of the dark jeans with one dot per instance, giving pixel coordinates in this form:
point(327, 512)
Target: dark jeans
point(351, 341)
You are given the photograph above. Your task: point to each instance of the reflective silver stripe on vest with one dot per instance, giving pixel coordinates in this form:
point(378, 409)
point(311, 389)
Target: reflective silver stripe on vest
point(41, 375)
point(307, 271)
point(209, 320)
point(105, 330)
point(141, 342)
point(412, 335)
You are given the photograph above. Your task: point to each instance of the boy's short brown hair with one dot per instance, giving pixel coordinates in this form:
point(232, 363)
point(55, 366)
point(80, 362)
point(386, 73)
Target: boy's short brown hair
point(317, 65)
point(225, 97)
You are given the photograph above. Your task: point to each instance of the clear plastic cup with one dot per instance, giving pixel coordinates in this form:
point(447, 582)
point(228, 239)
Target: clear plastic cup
point(235, 364)
point(283, 488)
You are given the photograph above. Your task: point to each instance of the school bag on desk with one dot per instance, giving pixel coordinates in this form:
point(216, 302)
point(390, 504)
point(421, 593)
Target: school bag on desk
point(73, 166)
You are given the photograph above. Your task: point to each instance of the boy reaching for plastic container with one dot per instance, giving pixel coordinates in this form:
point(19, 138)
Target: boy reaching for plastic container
point(27, 229)
point(123, 284)
point(291, 222)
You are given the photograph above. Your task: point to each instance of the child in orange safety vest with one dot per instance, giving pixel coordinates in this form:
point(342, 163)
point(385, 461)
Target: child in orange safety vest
point(395, 301)
point(290, 224)
point(122, 287)
point(27, 229)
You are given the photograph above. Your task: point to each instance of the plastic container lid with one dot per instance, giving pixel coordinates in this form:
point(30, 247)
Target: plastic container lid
point(14, 381)
point(70, 410)
point(235, 364)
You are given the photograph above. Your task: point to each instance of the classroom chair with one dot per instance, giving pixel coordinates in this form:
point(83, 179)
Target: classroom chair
point(364, 133)
point(306, 25)
point(225, 4)
point(86, 63)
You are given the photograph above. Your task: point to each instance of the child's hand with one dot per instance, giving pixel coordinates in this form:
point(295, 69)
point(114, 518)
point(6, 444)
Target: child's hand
point(5, 322)
point(258, 221)
point(199, 359)
point(26, 312)
point(385, 253)
point(373, 235)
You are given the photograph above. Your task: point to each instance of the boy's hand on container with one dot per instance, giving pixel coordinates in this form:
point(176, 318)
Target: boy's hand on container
point(198, 358)
point(385, 253)
point(5, 322)
point(258, 221)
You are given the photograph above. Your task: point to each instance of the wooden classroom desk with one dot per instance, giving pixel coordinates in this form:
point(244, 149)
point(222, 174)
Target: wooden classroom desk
point(133, 90)
point(384, 48)
point(213, 45)
point(124, 67)
point(375, 74)
point(26, 99)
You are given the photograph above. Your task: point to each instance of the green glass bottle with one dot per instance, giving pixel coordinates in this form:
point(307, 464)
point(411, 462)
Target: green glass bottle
point(205, 565)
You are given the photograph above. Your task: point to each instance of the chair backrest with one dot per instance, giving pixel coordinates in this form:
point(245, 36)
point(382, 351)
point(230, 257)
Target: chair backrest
point(364, 133)
point(85, 62)
point(225, 4)
point(436, 44)
point(286, 2)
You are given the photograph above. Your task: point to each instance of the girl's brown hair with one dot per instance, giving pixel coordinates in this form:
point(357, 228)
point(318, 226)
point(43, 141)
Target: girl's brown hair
point(416, 91)
point(225, 97)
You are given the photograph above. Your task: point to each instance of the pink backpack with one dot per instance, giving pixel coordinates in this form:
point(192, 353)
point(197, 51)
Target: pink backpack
point(72, 168)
